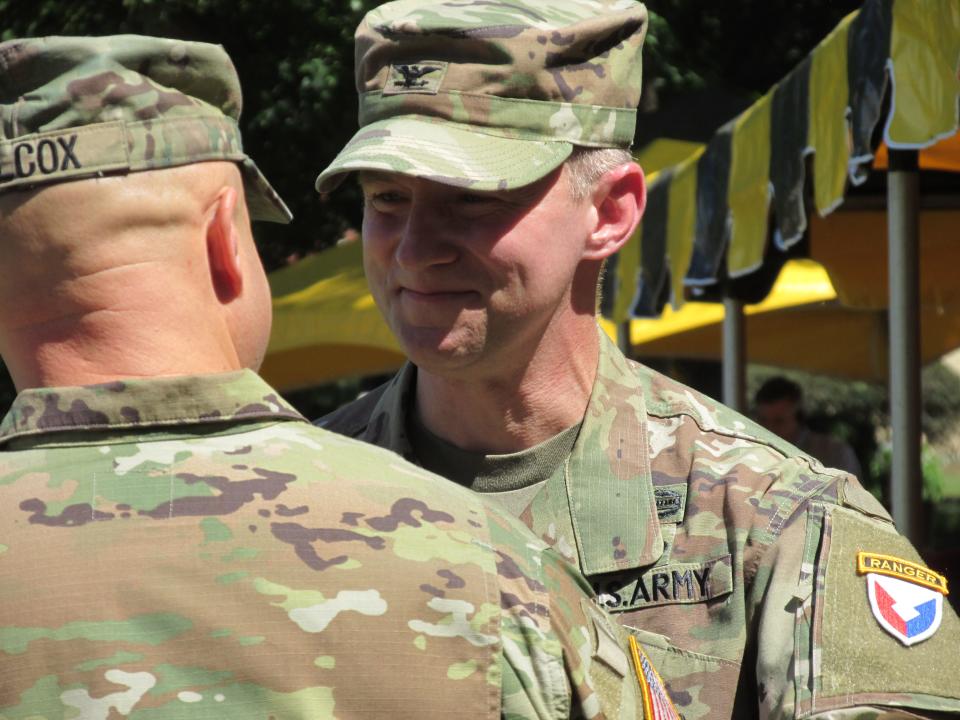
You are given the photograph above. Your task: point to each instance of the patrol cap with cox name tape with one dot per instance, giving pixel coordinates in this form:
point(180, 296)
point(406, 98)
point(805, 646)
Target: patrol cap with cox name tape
point(79, 107)
point(494, 94)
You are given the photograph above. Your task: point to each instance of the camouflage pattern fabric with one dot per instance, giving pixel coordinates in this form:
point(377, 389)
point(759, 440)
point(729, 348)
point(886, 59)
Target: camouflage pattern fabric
point(732, 553)
point(492, 95)
point(193, 548)
point(79, 107)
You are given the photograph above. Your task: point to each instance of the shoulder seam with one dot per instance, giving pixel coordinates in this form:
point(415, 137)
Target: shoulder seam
point(726, 432)
point(780, 517)
point(824, 471)
point(660, 408)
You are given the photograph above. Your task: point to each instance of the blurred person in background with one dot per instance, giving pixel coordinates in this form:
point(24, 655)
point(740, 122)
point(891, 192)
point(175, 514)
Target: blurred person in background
point(778, 405)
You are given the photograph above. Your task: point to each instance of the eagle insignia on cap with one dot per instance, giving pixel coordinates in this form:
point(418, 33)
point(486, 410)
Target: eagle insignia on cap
point(422, 77)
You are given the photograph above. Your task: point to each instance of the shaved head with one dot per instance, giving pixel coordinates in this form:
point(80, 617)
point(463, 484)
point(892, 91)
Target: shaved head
point(118, 259)
point(65, 230)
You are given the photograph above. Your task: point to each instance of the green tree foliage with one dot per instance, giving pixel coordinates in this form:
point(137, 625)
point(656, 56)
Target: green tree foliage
point(746, 45)
point(941, 402)
point(881, 466)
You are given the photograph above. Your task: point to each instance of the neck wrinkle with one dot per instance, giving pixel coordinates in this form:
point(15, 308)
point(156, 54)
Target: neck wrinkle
point(510, 413)
point(94, 346)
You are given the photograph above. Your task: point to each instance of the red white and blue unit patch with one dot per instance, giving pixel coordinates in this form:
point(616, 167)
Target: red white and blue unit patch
point(906, 598)
point(656, 702)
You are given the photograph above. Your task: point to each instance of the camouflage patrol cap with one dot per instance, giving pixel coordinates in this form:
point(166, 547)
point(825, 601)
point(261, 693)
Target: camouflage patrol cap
point(493, 94)
point(79, 107)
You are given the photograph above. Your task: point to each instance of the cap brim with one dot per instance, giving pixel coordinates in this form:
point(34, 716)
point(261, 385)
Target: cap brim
point(445, 152)
point(263, 202)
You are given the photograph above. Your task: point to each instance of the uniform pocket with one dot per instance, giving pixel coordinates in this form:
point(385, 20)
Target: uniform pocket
point(699, 685)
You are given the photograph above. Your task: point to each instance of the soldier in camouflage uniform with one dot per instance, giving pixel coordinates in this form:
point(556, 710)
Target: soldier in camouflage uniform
point(175, 540)
point(492, 158)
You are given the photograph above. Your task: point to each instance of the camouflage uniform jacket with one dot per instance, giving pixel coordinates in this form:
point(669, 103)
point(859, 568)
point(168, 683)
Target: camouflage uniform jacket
point(697, 525)
point(193, 548)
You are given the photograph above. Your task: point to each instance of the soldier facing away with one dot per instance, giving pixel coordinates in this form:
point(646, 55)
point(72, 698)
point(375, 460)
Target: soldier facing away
point(493, 157)
point(176, 541)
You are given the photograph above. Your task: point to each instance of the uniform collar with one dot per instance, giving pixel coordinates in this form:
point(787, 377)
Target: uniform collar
point(137, 404)
point(608, 476)
point(609, 481)
point(388, 421)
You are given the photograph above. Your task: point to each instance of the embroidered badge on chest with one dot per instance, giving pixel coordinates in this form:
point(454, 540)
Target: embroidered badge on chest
point(671, 501)
point(906, 598)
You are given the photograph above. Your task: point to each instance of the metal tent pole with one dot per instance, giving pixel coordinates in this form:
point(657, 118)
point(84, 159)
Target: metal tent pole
point(734, 355)
point(903, 193)
point(623, 337)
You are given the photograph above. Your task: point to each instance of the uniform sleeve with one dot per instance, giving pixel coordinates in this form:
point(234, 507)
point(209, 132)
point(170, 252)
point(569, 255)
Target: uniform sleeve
point(850, 621)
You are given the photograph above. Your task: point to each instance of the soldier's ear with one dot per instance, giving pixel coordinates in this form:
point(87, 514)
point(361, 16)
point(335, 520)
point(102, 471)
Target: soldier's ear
point(619, 198)
point(223, 249)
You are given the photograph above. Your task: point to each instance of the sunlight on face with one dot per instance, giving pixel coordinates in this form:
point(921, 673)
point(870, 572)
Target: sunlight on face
point(464, 276)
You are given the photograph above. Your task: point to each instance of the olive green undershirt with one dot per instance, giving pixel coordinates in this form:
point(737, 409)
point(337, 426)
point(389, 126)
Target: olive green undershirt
point(515, 477)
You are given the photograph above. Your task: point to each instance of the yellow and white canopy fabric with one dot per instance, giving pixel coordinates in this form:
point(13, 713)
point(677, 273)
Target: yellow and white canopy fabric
point(801, 324)
point(715, 213)
point(325, 323)
point(326, 326)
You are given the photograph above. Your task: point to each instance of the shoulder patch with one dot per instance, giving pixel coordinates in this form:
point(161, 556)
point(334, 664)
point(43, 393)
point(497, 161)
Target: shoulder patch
point(876, 635)
point(656, 702)
point(906, 598)
point(868, 562)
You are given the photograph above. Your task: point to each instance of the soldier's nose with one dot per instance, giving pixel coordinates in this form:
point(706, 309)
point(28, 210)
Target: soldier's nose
point(424, 242)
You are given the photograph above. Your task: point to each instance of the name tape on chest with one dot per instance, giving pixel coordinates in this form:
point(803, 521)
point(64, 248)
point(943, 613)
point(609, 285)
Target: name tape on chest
point(678, 583)
point(74, 152)
point(906, 598)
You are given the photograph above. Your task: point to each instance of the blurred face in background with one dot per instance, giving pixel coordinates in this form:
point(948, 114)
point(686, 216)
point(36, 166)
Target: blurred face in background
point(779, 417)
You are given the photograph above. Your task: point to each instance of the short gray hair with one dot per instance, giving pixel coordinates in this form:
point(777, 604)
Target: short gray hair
point(588, 165)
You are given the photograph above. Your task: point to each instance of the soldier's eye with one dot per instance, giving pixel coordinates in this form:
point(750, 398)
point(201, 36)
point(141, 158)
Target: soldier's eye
point(476, 198)
point(385, 200)
point(476, 205)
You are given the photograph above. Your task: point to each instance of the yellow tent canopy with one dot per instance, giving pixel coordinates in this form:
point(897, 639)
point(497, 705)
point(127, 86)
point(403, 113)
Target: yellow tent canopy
point(723, 214)
point(325, 323)
point(714, 213)
point(801, 324)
